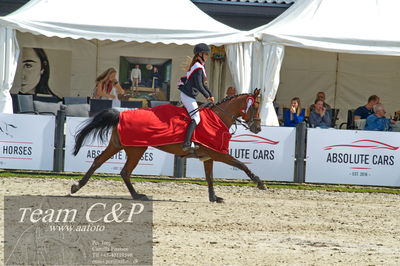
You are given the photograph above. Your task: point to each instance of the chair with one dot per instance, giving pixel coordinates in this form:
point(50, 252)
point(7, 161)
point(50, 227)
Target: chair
point(334, 116)
point(75, 100)
point(350, 120)
point(24, 104)
point(47, 99)
point(14, 98)
point(156, 103)
point(131, 104)
point(98, 105)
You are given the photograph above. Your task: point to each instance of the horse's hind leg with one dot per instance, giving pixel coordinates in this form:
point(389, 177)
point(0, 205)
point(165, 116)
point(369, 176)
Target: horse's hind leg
point(228, 159)
point(208, 169)
point(134, 154)
point(112, 148)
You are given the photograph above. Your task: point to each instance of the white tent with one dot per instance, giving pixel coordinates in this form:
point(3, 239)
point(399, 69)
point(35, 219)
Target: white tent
point(157, 21)
point(354, 34)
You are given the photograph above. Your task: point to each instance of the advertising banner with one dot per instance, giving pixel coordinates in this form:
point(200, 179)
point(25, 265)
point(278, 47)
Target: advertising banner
point(268, 154)
point(353, 157)
point(27, 141)
point(153, 161)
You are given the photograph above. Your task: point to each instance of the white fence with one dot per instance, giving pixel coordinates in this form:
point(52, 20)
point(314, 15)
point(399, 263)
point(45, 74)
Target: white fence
point(353, 157)
point(153, 161)
point(333, 156)
point(269, 154)
point(27, 141)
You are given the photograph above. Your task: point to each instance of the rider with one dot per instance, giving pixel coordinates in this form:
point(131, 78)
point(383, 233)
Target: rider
point(194, 83)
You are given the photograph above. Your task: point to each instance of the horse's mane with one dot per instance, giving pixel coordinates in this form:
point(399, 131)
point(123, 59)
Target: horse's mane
point(228, 98)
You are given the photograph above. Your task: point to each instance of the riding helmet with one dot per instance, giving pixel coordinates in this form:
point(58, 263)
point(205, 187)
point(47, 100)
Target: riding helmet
point(201, 48)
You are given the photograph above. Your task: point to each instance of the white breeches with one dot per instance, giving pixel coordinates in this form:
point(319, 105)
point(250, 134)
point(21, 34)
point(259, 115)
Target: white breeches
point(190, 105)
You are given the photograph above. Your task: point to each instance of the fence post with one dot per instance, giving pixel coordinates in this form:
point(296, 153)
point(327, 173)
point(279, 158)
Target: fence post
point(300, 153)
point(59, 139)
point(179, 166)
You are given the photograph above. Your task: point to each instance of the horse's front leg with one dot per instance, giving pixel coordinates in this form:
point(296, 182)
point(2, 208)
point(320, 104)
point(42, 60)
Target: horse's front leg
point(228, 159)
point(208, 169)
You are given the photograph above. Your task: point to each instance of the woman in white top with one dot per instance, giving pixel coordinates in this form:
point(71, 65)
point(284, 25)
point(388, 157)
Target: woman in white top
point(107, 87)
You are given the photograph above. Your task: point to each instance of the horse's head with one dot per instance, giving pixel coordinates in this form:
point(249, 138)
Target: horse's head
point(251, 111)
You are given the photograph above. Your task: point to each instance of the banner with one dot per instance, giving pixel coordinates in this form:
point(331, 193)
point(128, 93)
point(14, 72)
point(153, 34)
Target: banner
point(153, 161)
point(268, 154)
point(27, 141)
point(353, 157)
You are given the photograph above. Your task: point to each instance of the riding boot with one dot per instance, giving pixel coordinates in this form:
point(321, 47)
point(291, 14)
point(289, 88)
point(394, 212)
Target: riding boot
point(188, 144)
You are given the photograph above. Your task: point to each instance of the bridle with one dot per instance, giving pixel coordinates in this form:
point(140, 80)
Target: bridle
point(247, 124)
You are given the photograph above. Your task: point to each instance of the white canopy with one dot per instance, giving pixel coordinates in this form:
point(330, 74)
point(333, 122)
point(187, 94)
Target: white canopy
point(368, 27)
point(353, 26)
point(153, 21)
point(172, 21)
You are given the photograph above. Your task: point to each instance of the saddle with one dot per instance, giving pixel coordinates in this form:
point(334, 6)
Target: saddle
point(167, 124)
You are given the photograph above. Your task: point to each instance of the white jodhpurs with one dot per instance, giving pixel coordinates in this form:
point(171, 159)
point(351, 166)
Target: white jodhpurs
point(190, 105)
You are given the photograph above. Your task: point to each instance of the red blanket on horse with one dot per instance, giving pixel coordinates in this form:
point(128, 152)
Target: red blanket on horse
point(166, 124)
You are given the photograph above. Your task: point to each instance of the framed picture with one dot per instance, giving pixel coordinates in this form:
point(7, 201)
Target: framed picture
point(147, 78)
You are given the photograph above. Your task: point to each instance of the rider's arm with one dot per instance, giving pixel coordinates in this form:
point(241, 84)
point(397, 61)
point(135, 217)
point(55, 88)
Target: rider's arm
point(198, 83)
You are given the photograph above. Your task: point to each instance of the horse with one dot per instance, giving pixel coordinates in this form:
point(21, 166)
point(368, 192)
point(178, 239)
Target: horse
point(229, 110)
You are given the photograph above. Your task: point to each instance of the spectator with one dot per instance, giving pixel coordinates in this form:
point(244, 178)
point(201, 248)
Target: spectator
point(320, 96)
point(231, 91)
point(295, 114)
point(136, 77)
point(278, 111)
point(378, 121)
point(156, 76)
point(320, 117)
point(365, 111)
point(107, 87)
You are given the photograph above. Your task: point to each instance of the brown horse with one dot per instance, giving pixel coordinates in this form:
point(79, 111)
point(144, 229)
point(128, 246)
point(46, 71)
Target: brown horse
point(229, 110)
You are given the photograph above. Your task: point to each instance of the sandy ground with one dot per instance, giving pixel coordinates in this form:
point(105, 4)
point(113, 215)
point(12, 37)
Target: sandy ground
point(252, 227)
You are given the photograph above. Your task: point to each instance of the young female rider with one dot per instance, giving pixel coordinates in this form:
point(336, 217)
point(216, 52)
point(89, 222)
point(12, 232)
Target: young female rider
point(195, 78)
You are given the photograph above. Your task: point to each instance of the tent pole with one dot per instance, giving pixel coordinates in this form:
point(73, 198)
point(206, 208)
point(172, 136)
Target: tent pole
point(336, 80)
point(97, 58)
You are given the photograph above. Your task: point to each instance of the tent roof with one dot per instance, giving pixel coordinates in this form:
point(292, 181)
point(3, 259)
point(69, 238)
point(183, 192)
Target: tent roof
point(165, 21)
point(353, 26)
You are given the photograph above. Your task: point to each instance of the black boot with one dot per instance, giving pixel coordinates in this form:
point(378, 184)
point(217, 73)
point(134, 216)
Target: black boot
point(188, 145)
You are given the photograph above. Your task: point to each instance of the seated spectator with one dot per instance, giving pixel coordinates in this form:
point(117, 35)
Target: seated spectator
point(320, 96)
point(378, 121)
point(364, 111)
point(320, 117)
point(295, 114)
point(231, 91)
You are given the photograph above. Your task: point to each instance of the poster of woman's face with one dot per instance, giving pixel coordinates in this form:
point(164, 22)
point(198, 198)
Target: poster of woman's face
point(34, 69)
point(43, 71)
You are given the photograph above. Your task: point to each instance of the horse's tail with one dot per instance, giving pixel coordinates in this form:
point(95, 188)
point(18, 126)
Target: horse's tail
point(99, 125)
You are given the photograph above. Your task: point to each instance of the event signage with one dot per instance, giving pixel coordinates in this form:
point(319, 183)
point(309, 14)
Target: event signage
point(268, 154)
point(153, 161)
point(27, 141)
point(353, 157)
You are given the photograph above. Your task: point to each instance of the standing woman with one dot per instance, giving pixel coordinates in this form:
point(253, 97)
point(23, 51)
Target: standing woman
point(107, 87)
point(295, 114)
point(195, 79)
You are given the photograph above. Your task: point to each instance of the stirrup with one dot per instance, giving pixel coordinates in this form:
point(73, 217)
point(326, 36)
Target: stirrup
point(191, 147)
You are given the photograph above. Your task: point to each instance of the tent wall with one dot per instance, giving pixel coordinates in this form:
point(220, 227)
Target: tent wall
point(90, 58)
point(82, 72)
point(305, 72)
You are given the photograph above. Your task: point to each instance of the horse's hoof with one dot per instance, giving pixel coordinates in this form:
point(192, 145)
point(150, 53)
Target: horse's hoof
point(75, 188)
point(261, 187)
point(142, 197)
point(217, 199)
